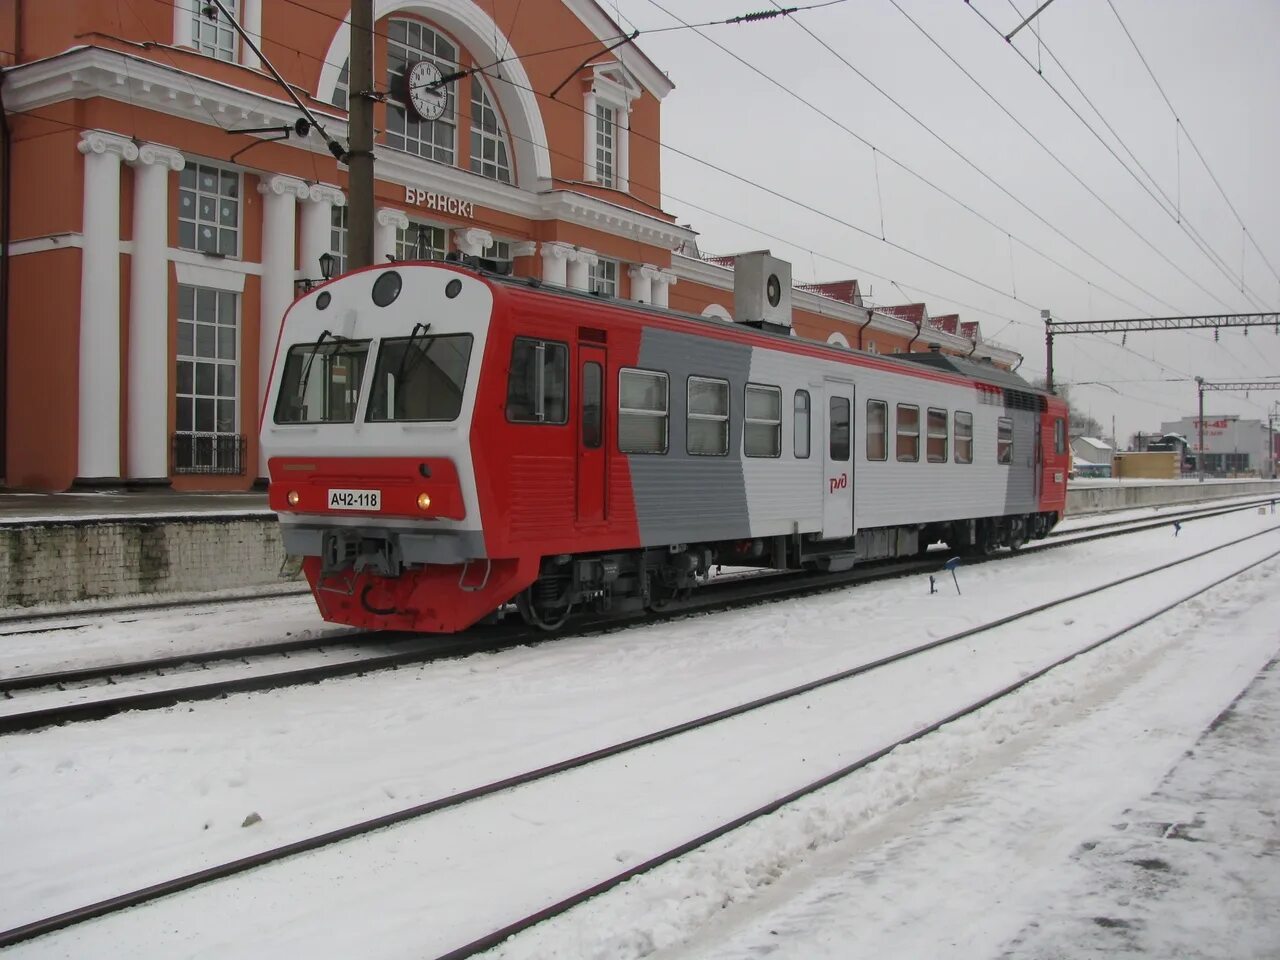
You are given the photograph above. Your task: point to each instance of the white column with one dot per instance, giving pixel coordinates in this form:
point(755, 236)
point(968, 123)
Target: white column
point(642, 278)
point(183, 34)
point(589, 137)
point(389, 220)
point(251, 20)
point(580, 264)
point(473, 241)
point(317, 221)
point(149, 362)
point(98, 446)
point(662, 285)
point(279, 215)
point(555, 262)
point(623, 134)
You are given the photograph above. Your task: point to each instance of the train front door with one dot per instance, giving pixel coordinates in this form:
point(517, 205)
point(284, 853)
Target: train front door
point(837, 452)
point(592, 466)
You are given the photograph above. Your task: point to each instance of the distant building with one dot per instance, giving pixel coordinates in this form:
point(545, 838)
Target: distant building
point(1090, 457)
point(1231, 445)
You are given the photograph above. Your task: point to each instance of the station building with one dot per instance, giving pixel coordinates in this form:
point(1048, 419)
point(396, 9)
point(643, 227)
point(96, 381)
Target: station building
point(152, 245)
point(1232, 445)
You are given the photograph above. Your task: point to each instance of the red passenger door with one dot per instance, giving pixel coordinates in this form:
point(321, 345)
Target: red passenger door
point(591, 435)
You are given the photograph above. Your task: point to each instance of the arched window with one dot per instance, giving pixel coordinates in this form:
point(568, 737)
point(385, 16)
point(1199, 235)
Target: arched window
point(489, 154)
point(409, 41)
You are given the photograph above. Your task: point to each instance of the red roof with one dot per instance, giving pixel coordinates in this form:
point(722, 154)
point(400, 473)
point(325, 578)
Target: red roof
point(949, 323)
point(971, 330)
point(846, 291)
point(912, 312)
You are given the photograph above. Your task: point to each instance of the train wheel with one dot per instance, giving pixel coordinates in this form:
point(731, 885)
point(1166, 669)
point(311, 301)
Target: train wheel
point(540, 610)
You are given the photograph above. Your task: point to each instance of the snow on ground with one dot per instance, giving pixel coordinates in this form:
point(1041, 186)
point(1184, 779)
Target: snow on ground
point(94, 809)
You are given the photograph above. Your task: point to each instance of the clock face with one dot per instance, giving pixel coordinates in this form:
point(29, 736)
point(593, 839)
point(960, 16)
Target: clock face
point(426, 101)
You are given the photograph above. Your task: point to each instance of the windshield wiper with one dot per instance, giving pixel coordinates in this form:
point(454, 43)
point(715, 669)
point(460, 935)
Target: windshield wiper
point(306, 370)
point(408, 348)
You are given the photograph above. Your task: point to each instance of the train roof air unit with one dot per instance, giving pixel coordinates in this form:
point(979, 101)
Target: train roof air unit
point(762, 292)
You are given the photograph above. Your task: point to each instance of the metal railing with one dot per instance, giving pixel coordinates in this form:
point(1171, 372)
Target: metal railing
point(222, 453)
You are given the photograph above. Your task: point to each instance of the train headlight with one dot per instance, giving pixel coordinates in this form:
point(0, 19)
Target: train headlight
point(424, 501)
point(293, 498)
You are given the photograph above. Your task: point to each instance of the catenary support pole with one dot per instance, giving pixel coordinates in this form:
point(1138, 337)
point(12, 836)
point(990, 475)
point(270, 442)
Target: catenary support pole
point(1200, 428)
point(1048, 350)
point(360, 151)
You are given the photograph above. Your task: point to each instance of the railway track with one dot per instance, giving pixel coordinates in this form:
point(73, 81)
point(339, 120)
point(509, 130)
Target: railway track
point(54, 704)
point(509, 783)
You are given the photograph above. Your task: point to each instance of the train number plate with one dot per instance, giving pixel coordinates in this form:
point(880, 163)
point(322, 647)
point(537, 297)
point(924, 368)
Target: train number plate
point(355, 499)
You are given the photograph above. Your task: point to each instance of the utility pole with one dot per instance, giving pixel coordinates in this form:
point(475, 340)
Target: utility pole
point(360, 137)
point(1048, 349)
point(1200, 425)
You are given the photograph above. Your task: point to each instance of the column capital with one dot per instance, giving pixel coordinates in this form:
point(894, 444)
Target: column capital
point(665, 277)
point(588, 257)
point(102, 142)
point(392, 217)
point(155, 154)
point(643, 271)
point(556, 250)
point(283, 186)
point(474, 241)
point(326, 193)
point(524, 248)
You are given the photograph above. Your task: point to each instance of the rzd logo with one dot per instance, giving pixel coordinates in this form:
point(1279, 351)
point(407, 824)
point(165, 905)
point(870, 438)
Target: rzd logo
point(838, 483)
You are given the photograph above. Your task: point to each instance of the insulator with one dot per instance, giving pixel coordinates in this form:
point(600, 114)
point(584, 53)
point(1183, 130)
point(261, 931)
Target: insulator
point(1215, 334)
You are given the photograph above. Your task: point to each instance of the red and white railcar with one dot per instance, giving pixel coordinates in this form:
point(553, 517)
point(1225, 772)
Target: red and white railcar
point(444, 443)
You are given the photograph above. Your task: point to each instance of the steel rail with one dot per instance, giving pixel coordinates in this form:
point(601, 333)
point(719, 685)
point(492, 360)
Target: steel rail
point(154, 891)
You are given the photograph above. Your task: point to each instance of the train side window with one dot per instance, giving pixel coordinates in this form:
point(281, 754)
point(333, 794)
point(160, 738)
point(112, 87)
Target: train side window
point(839, 417)
point(908, 446)
point(935, 447)
point(707, 422)
point(801, 438)
point(1059, 436)
point(964, 437)
point(538, 382)
point(762, 423)
point(877, 430)
point(1004, 441)
point(592, 384)
point(642, 411)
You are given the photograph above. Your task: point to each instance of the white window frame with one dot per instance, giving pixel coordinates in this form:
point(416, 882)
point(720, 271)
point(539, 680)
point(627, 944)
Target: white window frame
point(691, 416)
point(484, 112)
point(339, 233)
point(602, 277)
point(612, 88)
point(775, 450)
point(416, 143)
point(194, 168)
point(195, 358)
point(407, 241)
point(664, 413)
point(249, 12)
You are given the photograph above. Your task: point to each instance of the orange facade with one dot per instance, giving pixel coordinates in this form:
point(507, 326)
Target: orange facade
point(153, 248)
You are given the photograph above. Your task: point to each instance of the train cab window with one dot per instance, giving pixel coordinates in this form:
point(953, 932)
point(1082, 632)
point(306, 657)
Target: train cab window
point(707, 425)
point(642, 411)
point(838, 415)
point(762, 424)
point(1004, 440)
point(801, 431)
point(1059, 436)
point(538, 382)
point(908, 432)
point(935, 446)
point(321, 381)
point(964, 437)
point(877, 435)
point(420, 378)
point(592, 405)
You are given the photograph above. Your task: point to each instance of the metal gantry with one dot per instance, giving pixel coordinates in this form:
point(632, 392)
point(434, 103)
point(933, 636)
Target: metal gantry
point(1053, 328)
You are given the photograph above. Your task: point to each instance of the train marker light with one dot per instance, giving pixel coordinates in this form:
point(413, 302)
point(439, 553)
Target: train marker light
point(293, 498)
point(424, 501)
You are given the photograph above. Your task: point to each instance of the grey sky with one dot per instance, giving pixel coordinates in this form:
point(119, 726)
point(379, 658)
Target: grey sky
point(1215, 63)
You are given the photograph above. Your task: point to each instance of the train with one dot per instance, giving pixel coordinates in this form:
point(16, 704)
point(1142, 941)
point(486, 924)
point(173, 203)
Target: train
point(447, 446)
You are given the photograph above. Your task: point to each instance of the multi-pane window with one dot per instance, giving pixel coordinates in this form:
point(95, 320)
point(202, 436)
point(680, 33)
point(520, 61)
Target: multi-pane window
point(213, 35)
point(209, 210)
point(604, 277)
point(762, 424)
point(421, 241)
point(1004, 440)
point(337, 240)
point(964, 437)
point(499, 252)
point(538, 384)
point(908, 432)
point(409, 41)
point(206, 379)
point(489, 155)
point(871, 347)
point(339, 98)
point(642, 411)
point(936, 436)
point(801, 438)
point(606, 140)
point(877, 430)
point(707, 430)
